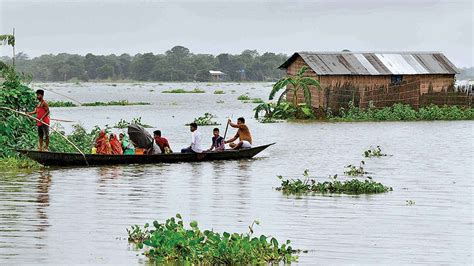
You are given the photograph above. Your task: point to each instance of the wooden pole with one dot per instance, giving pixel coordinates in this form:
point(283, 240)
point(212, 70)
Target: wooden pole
point(32, 117)
point(13, 58)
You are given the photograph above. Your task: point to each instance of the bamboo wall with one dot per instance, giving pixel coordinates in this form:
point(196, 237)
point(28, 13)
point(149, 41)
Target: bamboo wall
point(338, 90)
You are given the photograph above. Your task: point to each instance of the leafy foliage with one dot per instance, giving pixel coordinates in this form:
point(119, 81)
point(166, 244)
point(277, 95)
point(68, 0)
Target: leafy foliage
point(295, 84)
point(205, 120)
point(7, 39)
point(171, 242)
point(289, 109)
point(282, 111)
point(310, 185)
point(177, 64)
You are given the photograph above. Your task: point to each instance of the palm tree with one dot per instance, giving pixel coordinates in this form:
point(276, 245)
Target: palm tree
point(295, 84)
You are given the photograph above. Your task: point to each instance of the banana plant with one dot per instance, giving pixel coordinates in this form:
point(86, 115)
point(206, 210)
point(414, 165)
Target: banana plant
point(296, 83)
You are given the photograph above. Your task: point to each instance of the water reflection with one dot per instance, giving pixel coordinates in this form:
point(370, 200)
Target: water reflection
point(44, 184)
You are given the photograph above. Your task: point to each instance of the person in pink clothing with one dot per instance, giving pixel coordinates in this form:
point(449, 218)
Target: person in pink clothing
point(42, 114)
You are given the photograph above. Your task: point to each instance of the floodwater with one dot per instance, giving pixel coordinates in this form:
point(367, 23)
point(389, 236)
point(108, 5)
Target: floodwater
point(79, 215)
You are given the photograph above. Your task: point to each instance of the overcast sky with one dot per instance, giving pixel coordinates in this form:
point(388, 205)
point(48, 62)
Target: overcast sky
point(137, 26)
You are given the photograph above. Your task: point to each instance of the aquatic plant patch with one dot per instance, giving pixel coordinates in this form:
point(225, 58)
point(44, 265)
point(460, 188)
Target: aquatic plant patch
point(7, 163)
point(61, 104)
point(118, 103)
point(244, 97)
point(377, 152)
point(310, 185)
point(353, 170)
point(137, 121)
point(401, 112)
point(196, 90)
point(219, 92)
point(172, 242)
point(205, 120)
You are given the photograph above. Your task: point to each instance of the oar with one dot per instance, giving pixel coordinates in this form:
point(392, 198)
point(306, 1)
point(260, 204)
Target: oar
point(32, 117)
point(227, 127)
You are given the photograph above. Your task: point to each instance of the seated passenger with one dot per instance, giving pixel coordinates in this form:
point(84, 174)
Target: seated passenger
point(115, 145)
point(127, 147)
point(243, 134)
point(102, 144)
point(217, 141)
point(195, 146)
point(162, 142)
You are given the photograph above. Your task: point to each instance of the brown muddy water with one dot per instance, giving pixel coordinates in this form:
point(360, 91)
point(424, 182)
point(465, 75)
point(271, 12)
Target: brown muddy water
point(79, 215)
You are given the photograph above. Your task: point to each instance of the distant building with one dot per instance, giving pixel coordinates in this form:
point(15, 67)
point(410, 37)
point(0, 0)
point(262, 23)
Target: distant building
point(217, 75)
point(383, 78)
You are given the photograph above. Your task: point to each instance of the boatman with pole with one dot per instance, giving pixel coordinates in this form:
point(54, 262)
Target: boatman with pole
point(42, 114)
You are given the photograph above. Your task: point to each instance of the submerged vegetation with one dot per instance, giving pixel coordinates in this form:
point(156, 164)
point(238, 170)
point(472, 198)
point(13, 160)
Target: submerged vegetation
point(401, 112)
point(310, 185)
point(219, 92)
point(205, 120)
point(172, 242)
point(196, 90)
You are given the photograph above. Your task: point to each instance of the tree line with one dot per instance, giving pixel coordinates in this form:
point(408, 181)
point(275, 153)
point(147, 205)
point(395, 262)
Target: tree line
point(177, 64)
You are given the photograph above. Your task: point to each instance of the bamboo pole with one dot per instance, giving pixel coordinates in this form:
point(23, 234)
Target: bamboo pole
point(32, 117)
point(13, 58)
point(65, 96)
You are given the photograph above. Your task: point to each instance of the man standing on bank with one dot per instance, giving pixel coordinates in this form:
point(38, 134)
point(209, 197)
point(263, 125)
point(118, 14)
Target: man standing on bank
point(42, 114)
point(243, 134)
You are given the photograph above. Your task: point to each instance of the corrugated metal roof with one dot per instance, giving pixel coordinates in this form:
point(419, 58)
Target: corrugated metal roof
point(375, 63)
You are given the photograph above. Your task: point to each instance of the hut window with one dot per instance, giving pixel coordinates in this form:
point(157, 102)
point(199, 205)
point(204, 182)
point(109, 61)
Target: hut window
point(396, 80)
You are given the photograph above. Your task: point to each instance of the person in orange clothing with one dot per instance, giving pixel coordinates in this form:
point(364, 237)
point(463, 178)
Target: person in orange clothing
point(102, 144)
point(42, 114)
point(243, 134)
point(115, 145)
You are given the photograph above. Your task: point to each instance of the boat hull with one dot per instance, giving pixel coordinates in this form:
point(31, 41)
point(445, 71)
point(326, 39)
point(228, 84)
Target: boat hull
point(76, 159)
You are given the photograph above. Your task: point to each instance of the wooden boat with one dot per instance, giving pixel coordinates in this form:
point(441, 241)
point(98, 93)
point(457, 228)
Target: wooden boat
point(76, 159)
